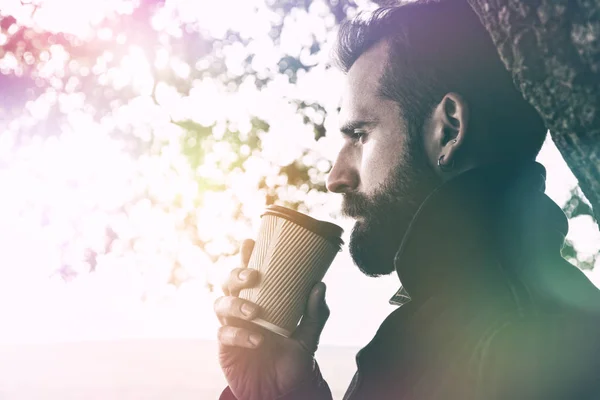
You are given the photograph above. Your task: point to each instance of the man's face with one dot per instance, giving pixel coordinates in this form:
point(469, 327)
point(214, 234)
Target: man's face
point(380, 170)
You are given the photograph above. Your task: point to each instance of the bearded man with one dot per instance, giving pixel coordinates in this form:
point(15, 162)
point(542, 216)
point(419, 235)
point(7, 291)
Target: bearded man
point(438, 170)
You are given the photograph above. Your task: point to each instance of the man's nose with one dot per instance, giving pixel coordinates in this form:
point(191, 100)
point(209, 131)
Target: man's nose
point(343, 178)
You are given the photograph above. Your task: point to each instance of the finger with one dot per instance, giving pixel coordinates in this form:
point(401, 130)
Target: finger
point(239, 337)
point(314, 319)
point(240, 278)
point(246, 251)
point(228, 306)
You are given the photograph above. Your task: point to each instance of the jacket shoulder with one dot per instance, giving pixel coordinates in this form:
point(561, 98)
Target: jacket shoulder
point(541, 356)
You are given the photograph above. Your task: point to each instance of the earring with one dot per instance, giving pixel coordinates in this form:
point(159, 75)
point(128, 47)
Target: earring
point(444, 167)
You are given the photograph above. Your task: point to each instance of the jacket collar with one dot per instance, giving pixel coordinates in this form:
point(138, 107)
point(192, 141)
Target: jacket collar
point(493, 215)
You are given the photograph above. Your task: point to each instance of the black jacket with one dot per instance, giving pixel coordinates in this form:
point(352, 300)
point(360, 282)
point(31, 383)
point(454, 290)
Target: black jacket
point(489, 309)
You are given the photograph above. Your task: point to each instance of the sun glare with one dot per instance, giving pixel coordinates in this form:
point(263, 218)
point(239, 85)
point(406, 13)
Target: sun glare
point(125, 212)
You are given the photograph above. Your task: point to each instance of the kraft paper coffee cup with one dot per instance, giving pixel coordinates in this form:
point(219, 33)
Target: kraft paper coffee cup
point(292, 253)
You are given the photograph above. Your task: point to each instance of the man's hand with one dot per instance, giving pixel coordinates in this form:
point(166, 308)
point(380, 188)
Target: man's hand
point(258, 364)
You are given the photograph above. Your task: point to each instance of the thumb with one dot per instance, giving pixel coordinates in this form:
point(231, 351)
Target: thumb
point(314, 319)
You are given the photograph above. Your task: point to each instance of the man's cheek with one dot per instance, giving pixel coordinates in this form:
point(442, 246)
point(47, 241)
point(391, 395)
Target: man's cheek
point(373, 171)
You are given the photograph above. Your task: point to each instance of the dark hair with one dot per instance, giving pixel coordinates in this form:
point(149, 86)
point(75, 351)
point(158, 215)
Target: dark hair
point(441, 47)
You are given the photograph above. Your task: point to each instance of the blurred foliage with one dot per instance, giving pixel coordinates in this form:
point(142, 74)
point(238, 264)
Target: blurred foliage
point(151, 140)
point(154, 61)
point(577, 206)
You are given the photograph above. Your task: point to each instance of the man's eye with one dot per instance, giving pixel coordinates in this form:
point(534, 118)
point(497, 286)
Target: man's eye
point(358, 134)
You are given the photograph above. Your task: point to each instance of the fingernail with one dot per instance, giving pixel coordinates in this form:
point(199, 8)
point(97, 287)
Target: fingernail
point(255, 339)
point(245, 274)
point(247, 309)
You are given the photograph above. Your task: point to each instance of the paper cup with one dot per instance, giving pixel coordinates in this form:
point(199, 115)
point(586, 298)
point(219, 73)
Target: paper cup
point(292, 253)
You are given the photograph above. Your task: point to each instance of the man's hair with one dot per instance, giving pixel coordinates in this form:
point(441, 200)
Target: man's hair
point(441, 47)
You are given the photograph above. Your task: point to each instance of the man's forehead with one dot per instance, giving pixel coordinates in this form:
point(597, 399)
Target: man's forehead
point(367, 70)
point(355, 110)
point(362, 81)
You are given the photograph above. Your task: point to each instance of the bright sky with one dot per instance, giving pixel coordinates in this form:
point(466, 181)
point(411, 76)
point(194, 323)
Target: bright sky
point(68, 182)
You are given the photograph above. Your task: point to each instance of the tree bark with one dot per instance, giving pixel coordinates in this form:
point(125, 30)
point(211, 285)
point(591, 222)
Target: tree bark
point(552, 49)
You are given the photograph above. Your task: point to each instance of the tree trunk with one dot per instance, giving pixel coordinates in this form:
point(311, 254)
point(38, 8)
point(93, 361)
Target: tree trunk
point(552, 49)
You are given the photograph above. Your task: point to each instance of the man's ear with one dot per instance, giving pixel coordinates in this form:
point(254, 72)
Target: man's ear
point(451, 118)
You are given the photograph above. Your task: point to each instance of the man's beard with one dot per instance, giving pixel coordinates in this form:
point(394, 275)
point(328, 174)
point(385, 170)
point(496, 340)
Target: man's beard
point(384, 216)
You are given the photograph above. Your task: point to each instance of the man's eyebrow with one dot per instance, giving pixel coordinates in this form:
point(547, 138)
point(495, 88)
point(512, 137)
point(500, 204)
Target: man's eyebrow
point(349, 127)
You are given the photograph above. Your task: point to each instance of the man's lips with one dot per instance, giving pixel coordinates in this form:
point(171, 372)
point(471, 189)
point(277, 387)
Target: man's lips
point(353, 216)
point(353, 209)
